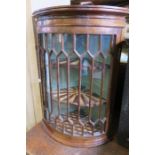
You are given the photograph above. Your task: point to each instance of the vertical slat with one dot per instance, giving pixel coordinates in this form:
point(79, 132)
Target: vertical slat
point(50, 78)
point(68, 85)
point(74, 47)
point(79, 87)
point(47, 78)
point(51, 73)
point(101, 90)
point(87, 43)
point(40, 71)
point(43, 68)
point(74, 41)
point(91, 86)
point(112, 46)
point(58, 86)
point(79, 78)
point(67, 75)
point(43, 71)
point(61, 39)
point(42, 60)
point(102, 82)
point(91, 80)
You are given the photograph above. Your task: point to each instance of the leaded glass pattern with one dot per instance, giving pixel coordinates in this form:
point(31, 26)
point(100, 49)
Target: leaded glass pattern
point(75, 76)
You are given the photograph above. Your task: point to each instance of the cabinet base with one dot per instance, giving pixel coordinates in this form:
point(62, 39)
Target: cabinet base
point(74, 141)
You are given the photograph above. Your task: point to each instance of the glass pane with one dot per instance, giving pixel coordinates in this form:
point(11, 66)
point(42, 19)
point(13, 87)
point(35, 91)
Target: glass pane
point(85, 86)
point(94, 43)
point(73, 91)
point(53, 86)
point(81, 43)
point(42, 40)
point(97, 88)
point(47, 81)
point(106, 47)
point(86, 66)
point(56, 42)
point(94, 81)
point(106, 40)
point(63, 83)
point(68, 43)
point(49, 42)
point(74, 67)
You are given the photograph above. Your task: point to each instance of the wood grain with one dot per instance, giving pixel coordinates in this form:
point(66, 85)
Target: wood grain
point(74, 20)
point(39, 143)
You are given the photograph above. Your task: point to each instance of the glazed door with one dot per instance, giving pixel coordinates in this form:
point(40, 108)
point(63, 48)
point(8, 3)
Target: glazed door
point(76, 71)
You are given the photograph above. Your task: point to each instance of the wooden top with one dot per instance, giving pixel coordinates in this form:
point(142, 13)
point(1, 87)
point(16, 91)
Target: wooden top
point(69, 10)
point(102, 2)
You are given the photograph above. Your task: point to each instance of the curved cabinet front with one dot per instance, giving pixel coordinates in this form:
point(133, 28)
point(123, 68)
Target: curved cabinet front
point(77, 62)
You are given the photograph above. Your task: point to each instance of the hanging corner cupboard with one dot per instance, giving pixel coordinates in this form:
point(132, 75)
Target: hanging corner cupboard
point(78, 63)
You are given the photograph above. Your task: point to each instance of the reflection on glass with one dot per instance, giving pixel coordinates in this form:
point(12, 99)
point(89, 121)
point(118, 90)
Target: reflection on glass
point(49, 41)
point(81, 43)
point(94, 43)
point(68, 43)
point(106, 40)
point(56, 42)
point(101, 65)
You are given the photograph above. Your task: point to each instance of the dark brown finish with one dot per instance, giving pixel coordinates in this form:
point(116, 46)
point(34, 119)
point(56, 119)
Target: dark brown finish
point(74, 141)
point(82, 10)
point(39, 143)
point(101, 2)
point(75, 20)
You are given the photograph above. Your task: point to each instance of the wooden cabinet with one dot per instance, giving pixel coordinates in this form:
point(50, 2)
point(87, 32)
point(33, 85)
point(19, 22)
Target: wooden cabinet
point(78, 62)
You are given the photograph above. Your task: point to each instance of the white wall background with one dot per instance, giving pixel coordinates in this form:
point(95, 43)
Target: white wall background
point(38, 4)
point(33, 101)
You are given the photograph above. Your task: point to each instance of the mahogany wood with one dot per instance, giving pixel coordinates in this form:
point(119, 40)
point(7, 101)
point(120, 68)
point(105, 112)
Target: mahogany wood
point(74, 141)
point(38, 142)
point(76, 19)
